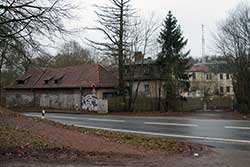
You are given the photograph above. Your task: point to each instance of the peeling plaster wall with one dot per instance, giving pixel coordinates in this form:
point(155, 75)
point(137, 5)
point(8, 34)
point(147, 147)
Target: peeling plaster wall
point(59, 99)
point(56, 98)
point(23, 97)
point(153, 88)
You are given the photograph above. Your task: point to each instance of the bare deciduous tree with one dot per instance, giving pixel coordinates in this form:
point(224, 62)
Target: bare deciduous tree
point(26, 18)
point(114, 22)
point(70, 54)
point(23, 22)
point(143, 36)
point(233, 41)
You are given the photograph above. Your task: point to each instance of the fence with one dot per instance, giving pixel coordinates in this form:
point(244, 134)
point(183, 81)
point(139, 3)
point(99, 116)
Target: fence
point(145, 104)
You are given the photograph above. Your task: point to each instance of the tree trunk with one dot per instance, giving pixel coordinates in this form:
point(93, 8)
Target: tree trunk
point(159, 98)
point(121, 59)
point(205, 106)
point(1, 67)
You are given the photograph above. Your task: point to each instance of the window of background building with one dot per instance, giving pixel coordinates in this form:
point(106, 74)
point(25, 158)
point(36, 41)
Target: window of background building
point(221, 89)
point(208, 76)
point(194, 76)
point(228, 76)
point(221, 76)
point(228, 89)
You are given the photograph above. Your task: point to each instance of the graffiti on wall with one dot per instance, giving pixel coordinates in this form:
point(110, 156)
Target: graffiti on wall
point(90, 102)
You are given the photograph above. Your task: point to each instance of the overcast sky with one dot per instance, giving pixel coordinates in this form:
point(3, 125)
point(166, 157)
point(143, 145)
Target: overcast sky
point(191, 14)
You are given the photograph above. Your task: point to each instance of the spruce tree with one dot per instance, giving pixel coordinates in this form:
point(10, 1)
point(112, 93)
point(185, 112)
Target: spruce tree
point(173, 61)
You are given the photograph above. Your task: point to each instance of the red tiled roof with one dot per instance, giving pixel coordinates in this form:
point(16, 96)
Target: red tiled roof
point(199, 68)
point(69, 77)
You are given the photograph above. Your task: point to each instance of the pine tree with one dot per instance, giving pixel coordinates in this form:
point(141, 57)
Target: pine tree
point(173, 61)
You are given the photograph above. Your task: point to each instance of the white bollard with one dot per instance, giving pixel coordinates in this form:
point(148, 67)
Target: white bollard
point(43, 114)
point(196, 154)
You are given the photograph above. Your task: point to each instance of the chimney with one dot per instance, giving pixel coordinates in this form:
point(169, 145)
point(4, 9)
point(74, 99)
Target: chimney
point(138, 57)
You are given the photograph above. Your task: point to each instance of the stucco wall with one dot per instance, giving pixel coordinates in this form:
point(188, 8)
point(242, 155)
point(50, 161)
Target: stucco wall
point(60, 99)
point(19, 98)
point(225, 83)
point(153, 88)
point(213, 84)
point(56, 98)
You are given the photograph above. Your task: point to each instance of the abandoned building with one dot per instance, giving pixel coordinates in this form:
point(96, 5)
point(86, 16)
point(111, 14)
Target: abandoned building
point(211, 78)
point(60, 87)
point(143, 74)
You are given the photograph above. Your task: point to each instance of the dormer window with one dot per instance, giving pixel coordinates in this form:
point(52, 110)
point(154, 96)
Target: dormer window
point(46, 81)
point(22, 80)
point(58, 79)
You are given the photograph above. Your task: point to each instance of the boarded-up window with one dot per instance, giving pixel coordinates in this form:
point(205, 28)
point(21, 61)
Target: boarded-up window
point(146, 89)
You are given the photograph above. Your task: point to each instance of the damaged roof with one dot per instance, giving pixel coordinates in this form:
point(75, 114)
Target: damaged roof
point(199, 68)
point(84, 76)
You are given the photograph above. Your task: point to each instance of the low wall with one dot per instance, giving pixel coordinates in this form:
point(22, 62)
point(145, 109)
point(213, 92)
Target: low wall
point(145, 104)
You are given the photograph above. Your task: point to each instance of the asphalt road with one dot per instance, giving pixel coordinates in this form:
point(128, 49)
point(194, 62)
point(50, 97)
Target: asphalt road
point(232, 134)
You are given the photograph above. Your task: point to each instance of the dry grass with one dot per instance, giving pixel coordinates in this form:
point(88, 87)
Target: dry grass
point(146, 142)
point(15, 137)
point(11, 137)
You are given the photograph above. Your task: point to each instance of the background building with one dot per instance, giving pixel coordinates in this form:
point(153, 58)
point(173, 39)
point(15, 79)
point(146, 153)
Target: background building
point(211, 79)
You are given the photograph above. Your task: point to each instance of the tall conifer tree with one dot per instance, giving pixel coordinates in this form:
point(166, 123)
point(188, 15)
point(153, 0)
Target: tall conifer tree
point(173, 61)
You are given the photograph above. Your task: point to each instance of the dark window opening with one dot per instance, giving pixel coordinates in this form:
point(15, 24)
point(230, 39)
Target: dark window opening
point(228, 89)
point(221, 76)
point(194, 76)
point(20, 82)
point(107, 95)
point(228, 76)
point(23, 80)
point(208, 76)
point(46, 81)
point(58, 79)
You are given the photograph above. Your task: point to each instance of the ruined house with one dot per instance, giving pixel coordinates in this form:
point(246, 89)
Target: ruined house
point(143, 75)
point(210, 78)
point(60, 88)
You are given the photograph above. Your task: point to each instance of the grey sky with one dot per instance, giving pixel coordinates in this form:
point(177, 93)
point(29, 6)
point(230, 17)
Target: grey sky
point(191, 14)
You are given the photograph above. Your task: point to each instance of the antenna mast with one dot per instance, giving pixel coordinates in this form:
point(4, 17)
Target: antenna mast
point(203, 45)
